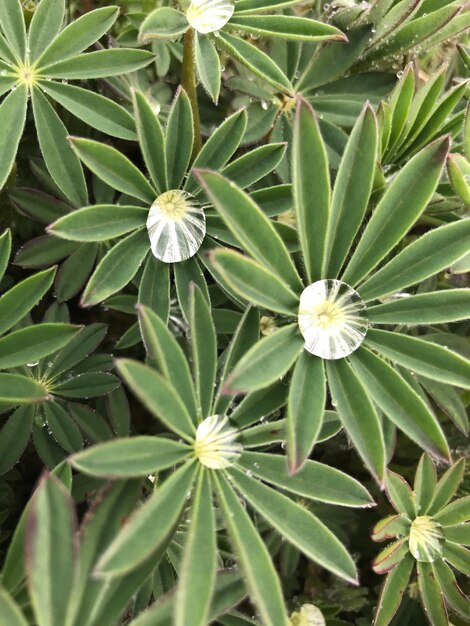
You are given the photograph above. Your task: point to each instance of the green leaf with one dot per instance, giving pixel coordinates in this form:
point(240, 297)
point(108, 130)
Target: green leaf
point(5, 251)
point(62, 163)
point(255, 561)
point(13, 26)
point(400, 402)
point(83, 344)
point(208, 66)
point(163, 348)
point(449, 400)
point(400, 494)
point(252, 166)
point(393, 590)
point(220, 146)
point(311, 193)
point(254, 283)
point(30, 344)
point(424, 357)
point(14, 437)
point(16, 389)
point(154, 289)
point(117, 268)
point(458, 170)
point(251, 227)
point(447, 486)
point(158, 395)
point(100, 64)
point(21, 298)
point(151, 140)
point(457, 512)
point(124, 458)
point(86, 385)
point(203, 349)
point(305, 409)
point(448, 584)
point(314, 480)
point(141, 537)
point(458, 556)
point(50, 552)
point(255, 60)
point(185, 273)
point(300, 527)
point(431, 595)
point(350, 199)
point(289, 27)
point(113, 168)
point(245, 335)
point(93, 109)
point(390, 556)
point(400, 207)
point(46, 24)
point(12, 121)
point(10, 612)
point(333, 60)
point(439, 307)
point(99, 222)
point(62, 427)
point(358, 416)
point(426, 256)
point(163, 23)
point(179, 139)
point(425, 484)
point(400, 102)
point(267, 361)
point(79, 35)
point(198, 569)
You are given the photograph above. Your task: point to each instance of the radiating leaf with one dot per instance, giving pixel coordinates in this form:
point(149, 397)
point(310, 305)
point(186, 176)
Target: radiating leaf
point(136, 456)
point(12, 121)
point(400, 207)
point(314, 480)
point(165, 351)
point(158, 395)
point(425, 357)
point(426, 256)
point(400, 402)
point(63, 165)
point(203, 350)
point(305, 409)
point(198, 575)
point(117, 268)
point(255, 561)
point(358, 415)
point(311, 192)
point(50, 552)
point(114, 168)
point(141, 536)
point(297, 525)
point(79, 35)
point(267, 361)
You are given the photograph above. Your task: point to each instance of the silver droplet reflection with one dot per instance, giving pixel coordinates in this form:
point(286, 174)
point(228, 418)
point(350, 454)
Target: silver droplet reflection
point(208, 16)
point(176, 226)
point(332, 319)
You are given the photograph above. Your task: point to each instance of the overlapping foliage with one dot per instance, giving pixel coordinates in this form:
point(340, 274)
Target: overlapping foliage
point(227, 340)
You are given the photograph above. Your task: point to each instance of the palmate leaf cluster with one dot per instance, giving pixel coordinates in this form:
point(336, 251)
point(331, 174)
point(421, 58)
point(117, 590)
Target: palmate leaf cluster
point(234, 309)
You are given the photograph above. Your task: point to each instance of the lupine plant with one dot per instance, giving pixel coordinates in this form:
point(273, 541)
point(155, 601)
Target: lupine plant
point(234, 256)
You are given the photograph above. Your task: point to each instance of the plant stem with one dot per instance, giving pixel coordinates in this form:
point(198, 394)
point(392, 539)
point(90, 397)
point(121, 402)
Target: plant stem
point(188, 82)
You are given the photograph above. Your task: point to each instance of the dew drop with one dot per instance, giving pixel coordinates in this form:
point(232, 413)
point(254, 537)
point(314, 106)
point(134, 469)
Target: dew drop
point(209, 16)
point(176, 226)
point(332, 319)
